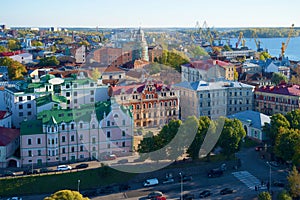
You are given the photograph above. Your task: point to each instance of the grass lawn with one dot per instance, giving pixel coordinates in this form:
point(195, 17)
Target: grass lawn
point(40, 184)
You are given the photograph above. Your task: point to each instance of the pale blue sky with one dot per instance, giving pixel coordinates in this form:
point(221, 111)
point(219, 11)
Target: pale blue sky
point(150, 13)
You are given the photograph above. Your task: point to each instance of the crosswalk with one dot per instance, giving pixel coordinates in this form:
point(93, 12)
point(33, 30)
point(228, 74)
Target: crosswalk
point(248, 179)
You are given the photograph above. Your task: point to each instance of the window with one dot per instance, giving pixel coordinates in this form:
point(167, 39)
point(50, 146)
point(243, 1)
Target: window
point(29, 141)
point(92, 92)
point(72, 138)
point(93, 140)
point(67, 86)
point(63, 150)
point(20, 106)
point(123, 122)
point(72, 149)
point(92, 99)
point(80, 125)
point(92, 84)
point(28, 98)
point(39, 152)
point(20, 99)
point(123, 133)
point(39, 141)
point(68, 94)
point(93, 126)
point(72, 126)
point(29, 153)
point(62, 127)
point(29, 105)
point(108, 123)
point(29, 113)
point(123, 144)
point(108, 134)
point(81, 148)
point(75, 85)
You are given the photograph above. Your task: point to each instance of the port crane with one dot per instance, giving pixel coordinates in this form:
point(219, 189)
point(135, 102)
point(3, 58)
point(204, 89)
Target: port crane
point(240, 38)
point(257, 41)
point(284, 45)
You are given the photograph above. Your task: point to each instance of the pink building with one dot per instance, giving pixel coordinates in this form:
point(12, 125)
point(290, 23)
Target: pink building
point(88, 133)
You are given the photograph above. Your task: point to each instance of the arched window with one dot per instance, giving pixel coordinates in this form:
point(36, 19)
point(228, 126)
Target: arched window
point(144, 106)
point(174, 103)
point(150, 105)
point(137, 106)
point(170, 103)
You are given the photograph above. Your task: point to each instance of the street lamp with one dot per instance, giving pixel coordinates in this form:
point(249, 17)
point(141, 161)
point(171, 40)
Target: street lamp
point(181, 185)
point(270, 175)
point(78, 185)
point(31, 163)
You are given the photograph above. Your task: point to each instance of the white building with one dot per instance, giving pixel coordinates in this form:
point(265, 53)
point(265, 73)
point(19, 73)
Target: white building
point(214, 99)
point(80, 55)
point(23, 58)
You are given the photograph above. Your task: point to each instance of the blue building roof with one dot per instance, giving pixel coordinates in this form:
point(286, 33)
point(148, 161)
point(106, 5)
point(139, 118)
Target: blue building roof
point(256, 119)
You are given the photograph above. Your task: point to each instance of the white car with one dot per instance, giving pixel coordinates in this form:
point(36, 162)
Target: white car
point(63, 167)
point(15, 198)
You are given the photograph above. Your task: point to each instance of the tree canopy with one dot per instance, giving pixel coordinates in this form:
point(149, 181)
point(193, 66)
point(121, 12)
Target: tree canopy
point(66, 195)
point(36, 43)
point(16, 70)
point(173, 58)
point(294, 183)
point(278, 77)
point(264, 196)
point(95, 74)
point(13, 45)
point(49, 61)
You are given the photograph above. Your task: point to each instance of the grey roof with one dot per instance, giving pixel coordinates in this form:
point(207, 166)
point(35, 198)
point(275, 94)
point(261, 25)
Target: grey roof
point(257, 119)
point(202, 85)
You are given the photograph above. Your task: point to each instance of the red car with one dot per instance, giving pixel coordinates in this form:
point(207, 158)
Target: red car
point(111, 157)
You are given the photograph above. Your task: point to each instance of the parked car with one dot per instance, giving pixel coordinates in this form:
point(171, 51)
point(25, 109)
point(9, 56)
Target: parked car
point(168, 180)
point(9, 173)
point(154, 194)
point(82, 166)
point(46, 170)
point(15, 198)
point(215, 173)
point(150, 182)
point(278, 183)
point(110, 157)
point(274, 163)
point(123, 161)
point(63, 167)
point(226, 191)
point(30, 171)
point(205, 193)
point(188, 196)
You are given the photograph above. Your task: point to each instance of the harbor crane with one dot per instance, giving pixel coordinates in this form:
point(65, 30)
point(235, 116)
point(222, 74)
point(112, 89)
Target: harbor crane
point(257, 41)
point(240, 38)
point(284, 45)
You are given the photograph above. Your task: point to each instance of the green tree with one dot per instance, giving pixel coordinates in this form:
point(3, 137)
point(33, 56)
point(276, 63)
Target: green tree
point(194, 148)
point(277, 78)
point(286, 142)
point(3, 49)
point(294, 118)
point(294, 183)
point(49, 61)
point(197, 51)
point(264, 55)
point(16, 70)
point(272, 129)
point(66, 195)
point(85, 43)
point(284, 195)
point(96, 74)
point(173, 58)
point(36, 43)
point(231, 136)
point(13, 45)
point(264, 196)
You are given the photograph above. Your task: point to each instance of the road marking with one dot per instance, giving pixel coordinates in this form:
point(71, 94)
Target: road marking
point(248, 179)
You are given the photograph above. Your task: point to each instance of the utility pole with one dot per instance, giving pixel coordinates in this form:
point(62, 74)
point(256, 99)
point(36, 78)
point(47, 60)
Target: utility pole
point(181, 186)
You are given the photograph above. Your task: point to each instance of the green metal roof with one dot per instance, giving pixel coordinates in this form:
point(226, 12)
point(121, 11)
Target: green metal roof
point(43, 100)
point(31, 127)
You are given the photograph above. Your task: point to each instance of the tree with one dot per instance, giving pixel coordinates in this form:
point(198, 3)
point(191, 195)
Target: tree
point(294, 183)
point(264, 55)
point(284, 195)
point(36, 43)
point(294, 118)
point(231, 136)
point(13, 44)
point(16, 70)
point(96, 74)
point(272, 129)
point(198, 51)
point(3, 49)
point(264, 196)
point(49, 61)
point(84, 42)
point(66, 195)
point(194, 148)
point(277, 78)
point(286, 142)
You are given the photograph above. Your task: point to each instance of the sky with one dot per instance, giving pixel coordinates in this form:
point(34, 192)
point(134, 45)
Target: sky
point(149, 13)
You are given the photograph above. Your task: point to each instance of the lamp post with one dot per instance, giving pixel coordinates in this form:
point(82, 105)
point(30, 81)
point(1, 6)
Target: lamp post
point(78, 185)
point(181, 186)
point(270, 176)
point(31, 163)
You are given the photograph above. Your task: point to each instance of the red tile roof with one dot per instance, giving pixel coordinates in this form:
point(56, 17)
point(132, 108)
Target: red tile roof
point(207, 64)
point(283, 89)
point(113, 69)
point(7, 135)
point(2, 114)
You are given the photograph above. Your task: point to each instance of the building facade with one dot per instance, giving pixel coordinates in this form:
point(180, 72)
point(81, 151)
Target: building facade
point(9, 143)
point(63, 136)
point(153, 104)
point(282, 98)
point(207, 70)
point(214, 99)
